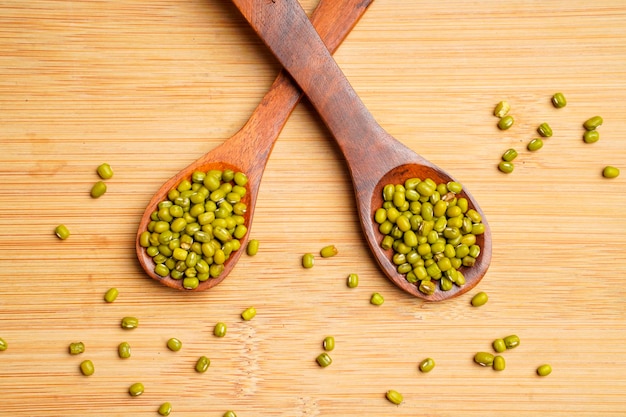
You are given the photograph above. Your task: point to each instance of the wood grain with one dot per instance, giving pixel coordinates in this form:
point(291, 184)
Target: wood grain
point(150, 86)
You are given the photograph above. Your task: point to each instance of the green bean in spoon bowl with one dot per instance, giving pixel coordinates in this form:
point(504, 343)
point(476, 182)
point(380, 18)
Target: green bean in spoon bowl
point(195, 226)
point(378, 161)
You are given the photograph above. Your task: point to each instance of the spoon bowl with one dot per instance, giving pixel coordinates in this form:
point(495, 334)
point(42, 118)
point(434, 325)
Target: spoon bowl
point(374, 157)
point(249, 149)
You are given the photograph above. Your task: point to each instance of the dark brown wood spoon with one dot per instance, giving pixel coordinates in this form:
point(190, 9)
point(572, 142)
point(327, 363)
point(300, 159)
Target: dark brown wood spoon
point(373, 156)
point(249, 149)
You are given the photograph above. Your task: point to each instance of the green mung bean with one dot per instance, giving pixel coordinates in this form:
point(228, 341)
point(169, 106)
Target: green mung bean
point(506, 122)
point(3, 345)
point(499, 364)
point(202, 364)
point(511, 341)
point(248, 313)
point(484, 358)
point(174, 344)
point(558, 100)
point(308, 260)
point(544, 370)
point(229, 413)
point(324, 360)
point(253, 247)
point(328, 251)
point(509, 155)
point(480, 299)
point(62, 232)
point(427, 365)
point(377, 299)
point(591, 136)
point(76, 348)
point(506, 167)
point(394, 397)
point(123, 350)
point(165, 409)
point(329, 343)
point(111, 295)
point(220, 329)
point(129, 322)
point(353, 281)
point(87, 368)
point(544, 130)
point(610, 172)
point(502, 109)
point(535, 144)
point(104, 171)
point(98, 189)
point(593, 123)
point(499, 345)
point(136, 389)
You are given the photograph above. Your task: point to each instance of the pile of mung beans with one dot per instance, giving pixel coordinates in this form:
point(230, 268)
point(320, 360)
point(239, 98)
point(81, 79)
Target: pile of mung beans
point(431, 230)
point(194, 231)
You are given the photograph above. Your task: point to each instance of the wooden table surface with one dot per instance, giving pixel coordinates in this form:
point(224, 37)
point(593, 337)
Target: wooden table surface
point(149, 86)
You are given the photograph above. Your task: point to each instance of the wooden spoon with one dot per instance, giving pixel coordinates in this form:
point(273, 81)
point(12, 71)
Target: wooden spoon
point(373, 156)
point(249, 149)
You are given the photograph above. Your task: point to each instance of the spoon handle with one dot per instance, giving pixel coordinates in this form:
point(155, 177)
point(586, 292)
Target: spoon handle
point(286, 30)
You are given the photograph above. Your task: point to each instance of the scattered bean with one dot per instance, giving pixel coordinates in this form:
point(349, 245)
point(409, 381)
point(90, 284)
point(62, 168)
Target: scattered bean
point(136, 389)
point(558, 100)
point(105, 171)
point(499, 364)
point(328, 251)
point(165, 409)
point(502, 109)
point(62, 232)
point(308, 260)
point(480, 299)
point(329, 343)
point(253, 247)
point(506, 167)
point(593, 123)
point(248, 314)
point(511, 341)
point(544, 370)
point(76, 348)
point(427, 365)
point(220, 329)
point(324, 360)
point(129, 322)
point(98, 189)
point(509, 155)
point(499, 345)
point(394, 397)
point(87, 368)
point(202, 364)
point(353, 281)
point(111, 295)
point(377, 299)
point(591, 136)
point(544, 130)
point(123, 350)
point(229, 414)
point(174, 344)
point(610, 172)
point(506, 122)
point(535, 144)
point(484, 358)
point(3, 345)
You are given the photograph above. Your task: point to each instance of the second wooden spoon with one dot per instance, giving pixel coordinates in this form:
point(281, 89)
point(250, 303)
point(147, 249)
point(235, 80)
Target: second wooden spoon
point(373, 156)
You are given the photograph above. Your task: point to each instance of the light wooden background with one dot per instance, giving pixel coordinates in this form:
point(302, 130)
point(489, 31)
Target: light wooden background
point(149, 86)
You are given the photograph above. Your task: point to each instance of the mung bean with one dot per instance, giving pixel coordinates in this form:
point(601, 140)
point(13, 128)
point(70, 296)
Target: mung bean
point(329, 343)
point(76, 348)
point(509, 155)
point(610, 172)
point(480, 299)
point(544, 130)
point(593, 123)
point(484, 358)
point(591, 136)
point(202, 364)
point(220, 329)
point(136, 389)
point(544, 370)
point(111, 295)
point(87, 368)
point(499, 364)
point(248, 313)
point(308, 260)
point(324, 360)
point(123, 350)
point(506, 167)
point(502, 109)
point(427, 365)
point(104, 171)
point(499, 345)
point(535, 144)
point(165, 409)
point(229, 413)
point(3, 345)
point(511, 341)
point(62, 232)
point(377, 299)
point(174, 344)
point(394, 397)
point(129, 322)
point(328, 251)
point(98, 189)
point(558, 100)
point(253, 247)
point(353, 281)
point(506, 122)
